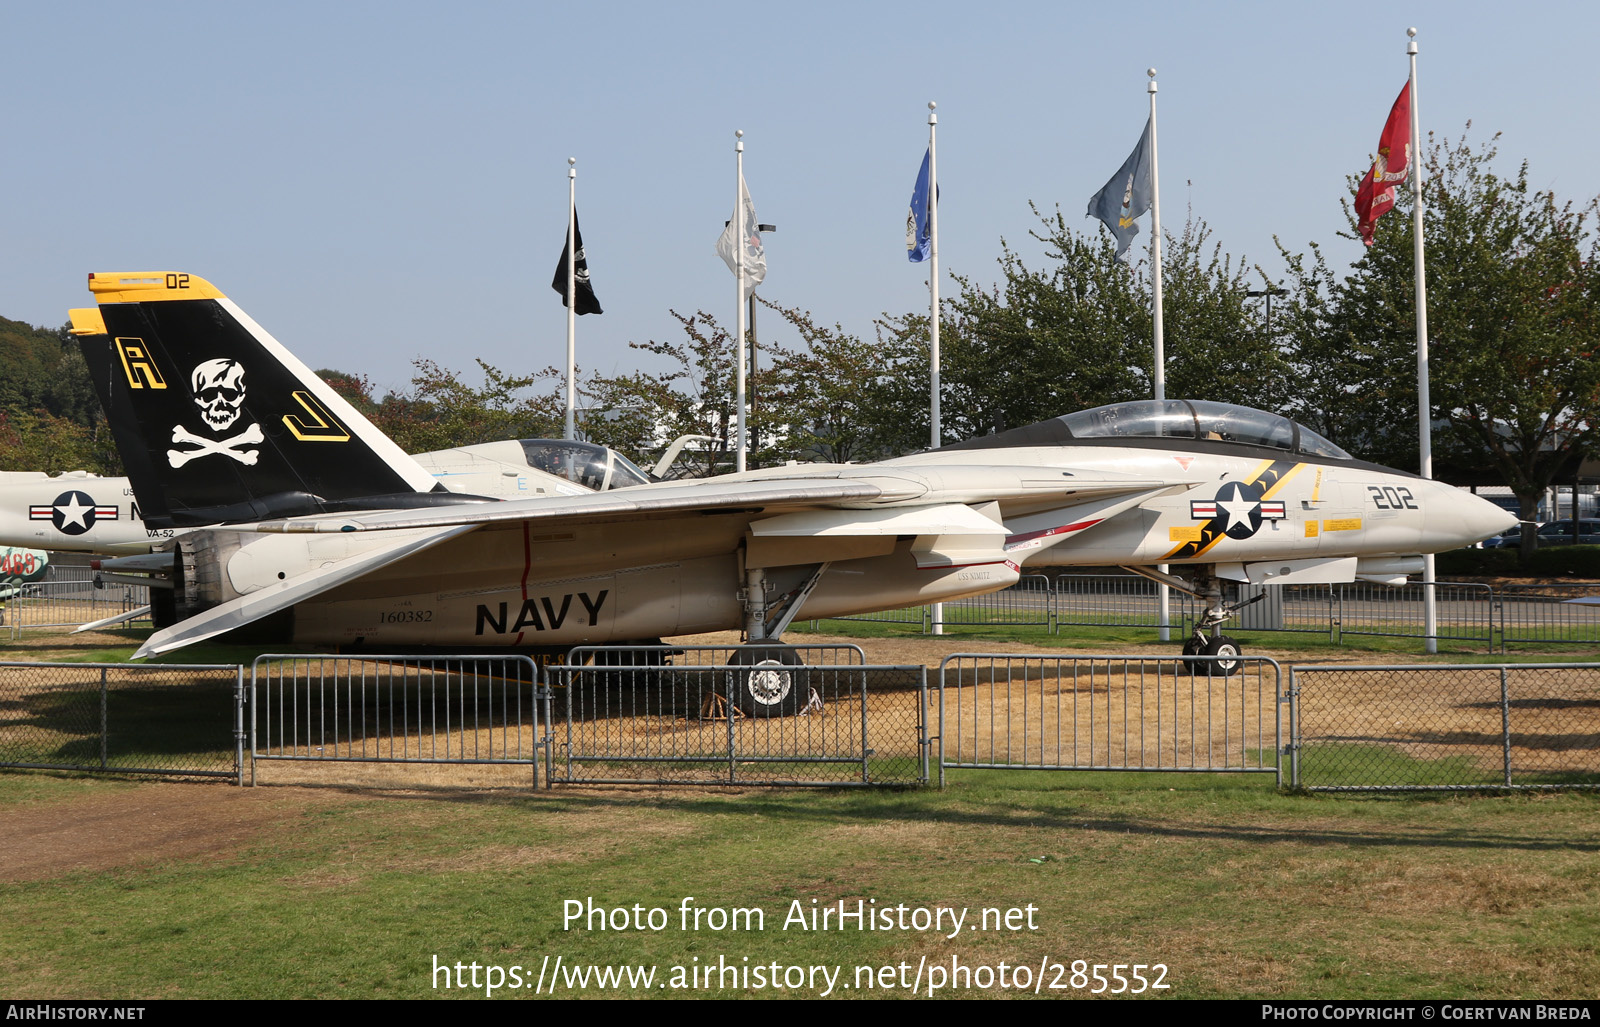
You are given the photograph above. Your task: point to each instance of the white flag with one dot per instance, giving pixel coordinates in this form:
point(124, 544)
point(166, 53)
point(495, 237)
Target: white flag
point(751, 254)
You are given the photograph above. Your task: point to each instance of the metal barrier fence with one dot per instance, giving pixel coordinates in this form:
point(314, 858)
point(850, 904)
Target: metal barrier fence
point(821, 653)
point(771, 723)
point(395, 709)
point(1030, 602)
point(69, 603)
point(1545, 614)
point(1108, 713)
point(128, 719)
point(1445, 726)
point(1464, 611)
point(1117, 600)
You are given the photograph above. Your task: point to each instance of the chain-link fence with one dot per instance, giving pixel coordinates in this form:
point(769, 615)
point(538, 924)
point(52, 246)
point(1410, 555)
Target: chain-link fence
point(1445, 726)
point(1108, 713)
point(759, 717)
point(131, 719)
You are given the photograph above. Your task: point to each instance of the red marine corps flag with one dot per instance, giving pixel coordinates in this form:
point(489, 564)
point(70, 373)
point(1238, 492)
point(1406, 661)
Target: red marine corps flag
point(1375, 196)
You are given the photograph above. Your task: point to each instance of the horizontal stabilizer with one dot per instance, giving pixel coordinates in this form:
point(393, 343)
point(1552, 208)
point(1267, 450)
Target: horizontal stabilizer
point(107, 622)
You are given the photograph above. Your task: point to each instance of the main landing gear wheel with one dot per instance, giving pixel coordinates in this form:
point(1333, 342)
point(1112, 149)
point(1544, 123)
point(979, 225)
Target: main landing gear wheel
point(768, 680)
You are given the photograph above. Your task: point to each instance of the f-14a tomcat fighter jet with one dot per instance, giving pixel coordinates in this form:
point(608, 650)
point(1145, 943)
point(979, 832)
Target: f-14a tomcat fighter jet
point(326, 533)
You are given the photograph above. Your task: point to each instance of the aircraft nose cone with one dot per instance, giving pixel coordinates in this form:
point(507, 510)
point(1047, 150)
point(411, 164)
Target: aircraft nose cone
point(1468, 519)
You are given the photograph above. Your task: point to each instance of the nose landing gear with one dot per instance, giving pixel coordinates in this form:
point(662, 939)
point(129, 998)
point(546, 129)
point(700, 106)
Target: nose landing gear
point(1220, 655)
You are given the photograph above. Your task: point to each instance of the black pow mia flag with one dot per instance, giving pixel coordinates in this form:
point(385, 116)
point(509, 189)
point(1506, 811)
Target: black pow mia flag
point(587, 304)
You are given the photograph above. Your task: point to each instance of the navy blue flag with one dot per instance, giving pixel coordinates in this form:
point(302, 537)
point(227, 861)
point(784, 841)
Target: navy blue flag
point(1128, 195)
point(587, 303)
point(919, 227)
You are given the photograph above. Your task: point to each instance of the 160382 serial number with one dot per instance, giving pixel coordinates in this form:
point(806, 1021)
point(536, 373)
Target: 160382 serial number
point(406, 617)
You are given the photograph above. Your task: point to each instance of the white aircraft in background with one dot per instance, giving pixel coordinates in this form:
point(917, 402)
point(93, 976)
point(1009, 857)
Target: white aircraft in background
point(332, 536)
point(79, 512)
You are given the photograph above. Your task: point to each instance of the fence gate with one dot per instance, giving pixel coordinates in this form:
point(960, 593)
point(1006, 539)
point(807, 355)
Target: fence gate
point(736, 715)
point(395, 709)
point(173, 719)
point(1051, 712)
point(63, 602)
point(1445, 726)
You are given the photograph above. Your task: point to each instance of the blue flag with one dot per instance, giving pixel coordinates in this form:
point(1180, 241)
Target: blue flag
point(919, 227)
point(1128, 195)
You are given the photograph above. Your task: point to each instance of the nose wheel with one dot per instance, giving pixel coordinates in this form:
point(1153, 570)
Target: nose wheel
point(1225, 655)
point(1206, 651)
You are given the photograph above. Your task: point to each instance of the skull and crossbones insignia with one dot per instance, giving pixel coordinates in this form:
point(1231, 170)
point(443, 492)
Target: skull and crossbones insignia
point(218, 387)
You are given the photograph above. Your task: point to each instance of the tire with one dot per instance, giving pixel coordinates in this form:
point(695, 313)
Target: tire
point(1227, 652)
point(768, 681)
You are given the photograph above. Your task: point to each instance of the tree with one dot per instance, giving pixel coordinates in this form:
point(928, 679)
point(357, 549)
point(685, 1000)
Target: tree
point(843, 398)
point(42, 441)
point(1511, 328)
point(694, 397)
point(443, 411)
point(1042, 343)
point(1079, 333)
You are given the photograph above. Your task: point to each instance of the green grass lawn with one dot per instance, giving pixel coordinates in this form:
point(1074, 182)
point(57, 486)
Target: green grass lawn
point(1238, 890)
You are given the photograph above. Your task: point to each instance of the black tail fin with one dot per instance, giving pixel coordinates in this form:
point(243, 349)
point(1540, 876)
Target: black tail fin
point(217, 422)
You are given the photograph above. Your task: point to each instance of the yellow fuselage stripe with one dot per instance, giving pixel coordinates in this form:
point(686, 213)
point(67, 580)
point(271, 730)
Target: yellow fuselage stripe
point(1251, 479)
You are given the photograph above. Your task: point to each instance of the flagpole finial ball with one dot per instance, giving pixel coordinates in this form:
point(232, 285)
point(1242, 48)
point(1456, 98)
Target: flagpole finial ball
point(932, 105)
point(738, 133)
point(572, 160)
point(1151, 73)
point(1412, 32)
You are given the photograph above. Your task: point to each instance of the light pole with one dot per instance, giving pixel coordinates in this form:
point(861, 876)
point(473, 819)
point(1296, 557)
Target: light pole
point(1269, 292)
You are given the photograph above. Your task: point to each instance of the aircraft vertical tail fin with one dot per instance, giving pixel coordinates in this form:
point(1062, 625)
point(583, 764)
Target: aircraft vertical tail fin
point(217, 422)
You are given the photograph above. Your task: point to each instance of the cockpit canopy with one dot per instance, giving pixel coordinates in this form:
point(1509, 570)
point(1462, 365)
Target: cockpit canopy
point(1198, 419)
point(1195, 420)
point(583, 463)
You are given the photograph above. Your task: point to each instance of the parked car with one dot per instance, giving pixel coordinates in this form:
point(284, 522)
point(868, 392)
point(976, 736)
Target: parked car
point(1560, 532)
point(1511, 538)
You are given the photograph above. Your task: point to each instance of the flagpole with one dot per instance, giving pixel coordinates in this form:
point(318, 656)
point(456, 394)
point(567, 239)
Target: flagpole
point(572, 296)
point(1155, 245)
point(1430, 613)
point(935, 436)
point(738, 277)
point(1163, 594)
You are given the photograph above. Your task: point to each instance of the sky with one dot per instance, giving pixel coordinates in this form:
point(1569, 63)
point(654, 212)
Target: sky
point(380, 182)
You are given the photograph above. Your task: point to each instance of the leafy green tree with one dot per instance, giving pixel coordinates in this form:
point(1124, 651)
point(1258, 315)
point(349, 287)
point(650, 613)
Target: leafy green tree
point(1512, 328)
point(695, 396)
point(1078, 333)
point(41, 441)
point(842, 398)
point(1217, 342)
point(443, 411)
point(1043, 342)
